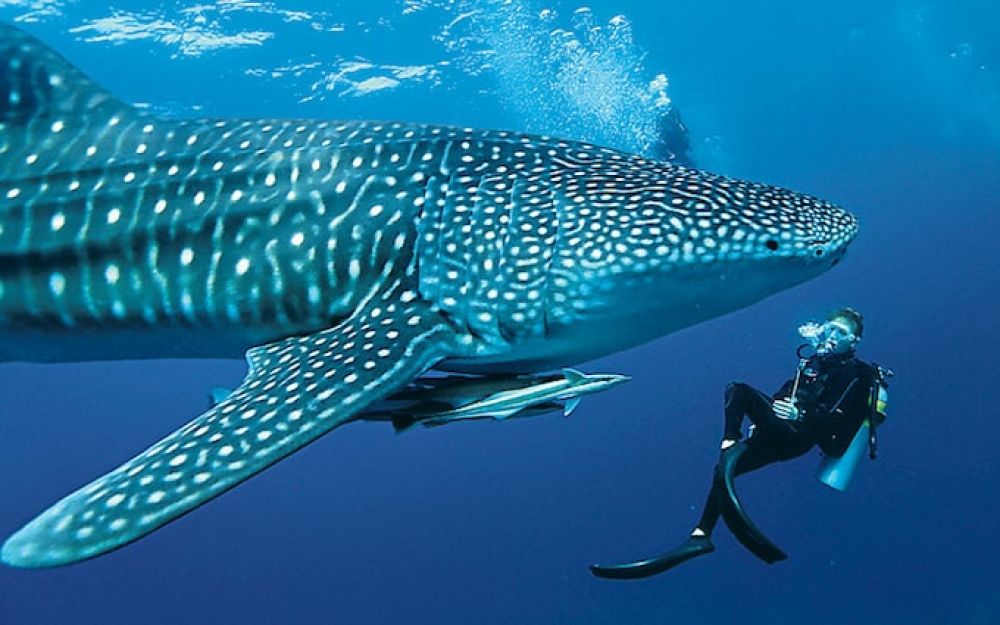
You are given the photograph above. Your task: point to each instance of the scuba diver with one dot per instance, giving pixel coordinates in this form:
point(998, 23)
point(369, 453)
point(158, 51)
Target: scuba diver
point(672, 143)
point(834, 401)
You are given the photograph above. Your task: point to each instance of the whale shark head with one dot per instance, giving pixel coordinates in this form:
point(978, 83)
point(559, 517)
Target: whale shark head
point(654, 247)
point(638, 249)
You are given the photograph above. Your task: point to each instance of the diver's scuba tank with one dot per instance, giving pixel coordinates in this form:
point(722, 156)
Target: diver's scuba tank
point(838, 471)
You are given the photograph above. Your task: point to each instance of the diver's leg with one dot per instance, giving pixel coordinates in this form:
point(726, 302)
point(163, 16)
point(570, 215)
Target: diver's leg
point(744, 400)
point(699, 543)
point(762, 452)
point(759, 410)
point(709, 513)
point(741, 400)
point(770, 444)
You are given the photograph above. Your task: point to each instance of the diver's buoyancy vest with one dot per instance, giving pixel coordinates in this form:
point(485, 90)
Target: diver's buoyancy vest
point(837, 471)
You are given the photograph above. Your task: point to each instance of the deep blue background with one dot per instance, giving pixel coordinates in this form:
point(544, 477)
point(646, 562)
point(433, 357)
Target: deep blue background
point(890, 111)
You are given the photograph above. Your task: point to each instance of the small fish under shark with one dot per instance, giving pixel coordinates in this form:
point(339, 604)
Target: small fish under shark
point(435, 401)
point(345, 260)
point(438, 400)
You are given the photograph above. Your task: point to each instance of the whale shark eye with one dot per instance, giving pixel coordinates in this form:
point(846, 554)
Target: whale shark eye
point(819, 251)
point(771, 244)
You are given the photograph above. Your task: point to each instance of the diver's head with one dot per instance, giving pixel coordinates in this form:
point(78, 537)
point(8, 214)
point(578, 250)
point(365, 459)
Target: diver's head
point(839, 335)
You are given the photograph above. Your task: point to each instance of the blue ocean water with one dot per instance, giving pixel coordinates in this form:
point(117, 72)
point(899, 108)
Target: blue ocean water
point(890, 109)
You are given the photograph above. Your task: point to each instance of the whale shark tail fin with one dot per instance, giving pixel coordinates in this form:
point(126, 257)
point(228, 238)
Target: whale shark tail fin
point(48, 108)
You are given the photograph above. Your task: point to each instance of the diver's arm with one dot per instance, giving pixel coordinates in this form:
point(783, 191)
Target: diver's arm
point(844, 406)
point(856, 406)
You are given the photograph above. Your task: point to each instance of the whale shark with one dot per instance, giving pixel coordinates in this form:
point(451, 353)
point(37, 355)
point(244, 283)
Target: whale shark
point(343, 260)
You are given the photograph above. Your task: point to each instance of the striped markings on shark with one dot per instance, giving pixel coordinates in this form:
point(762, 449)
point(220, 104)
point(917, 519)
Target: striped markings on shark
point(346, 260)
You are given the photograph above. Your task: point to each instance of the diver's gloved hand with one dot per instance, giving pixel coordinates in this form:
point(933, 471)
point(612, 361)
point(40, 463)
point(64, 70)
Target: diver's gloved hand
point(785, 409)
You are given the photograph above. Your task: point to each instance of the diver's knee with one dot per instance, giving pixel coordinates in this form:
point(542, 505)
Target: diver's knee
point(734, 389)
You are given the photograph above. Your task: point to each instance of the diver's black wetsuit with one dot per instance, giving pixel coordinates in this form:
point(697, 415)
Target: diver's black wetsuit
point(833, 401)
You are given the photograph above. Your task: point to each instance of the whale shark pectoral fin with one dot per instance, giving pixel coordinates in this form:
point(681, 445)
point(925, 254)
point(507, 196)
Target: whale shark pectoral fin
point(296, 390)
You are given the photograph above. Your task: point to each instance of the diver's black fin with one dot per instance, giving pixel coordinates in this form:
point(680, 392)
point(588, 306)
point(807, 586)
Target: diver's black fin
point(735, 515)
point(691, 548)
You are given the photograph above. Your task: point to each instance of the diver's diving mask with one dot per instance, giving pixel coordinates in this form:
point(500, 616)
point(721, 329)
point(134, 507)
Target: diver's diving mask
point(831, 337)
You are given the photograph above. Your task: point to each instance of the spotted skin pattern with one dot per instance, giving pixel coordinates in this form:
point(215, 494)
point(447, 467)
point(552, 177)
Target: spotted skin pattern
point(345, 259)
point(296, 390)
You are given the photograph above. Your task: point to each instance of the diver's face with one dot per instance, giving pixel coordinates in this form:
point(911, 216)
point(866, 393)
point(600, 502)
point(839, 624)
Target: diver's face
point(837, 337)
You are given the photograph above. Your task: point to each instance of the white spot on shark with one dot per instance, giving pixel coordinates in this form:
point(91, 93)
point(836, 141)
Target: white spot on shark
point(57, 282)
point(112, 274)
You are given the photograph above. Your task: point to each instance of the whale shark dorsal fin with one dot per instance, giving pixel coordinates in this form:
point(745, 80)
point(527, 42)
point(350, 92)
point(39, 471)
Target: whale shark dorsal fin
point(45, 101)
point(37, 82)
point(296, 390)
point(573, 376)
point(217, 395)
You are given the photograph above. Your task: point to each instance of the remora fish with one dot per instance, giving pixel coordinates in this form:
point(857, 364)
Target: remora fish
point(439, 401)
point(345, 259)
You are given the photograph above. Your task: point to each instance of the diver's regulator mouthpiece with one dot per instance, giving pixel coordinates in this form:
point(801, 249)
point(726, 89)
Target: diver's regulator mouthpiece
point(824, 338)
point(811, 331)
